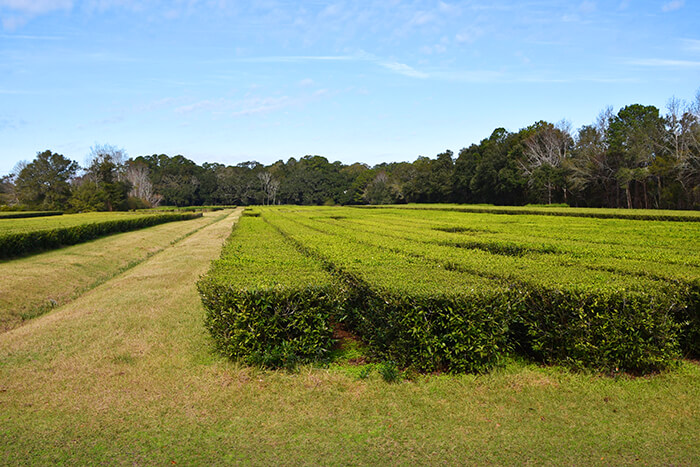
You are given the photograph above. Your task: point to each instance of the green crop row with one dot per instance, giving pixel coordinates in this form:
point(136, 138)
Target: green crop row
point(555, 313)
point(24, 225)
point(26, 214)
point(17, 243)
point(658, 250)
point(637, 214)
point(265, 302)
point(188, 208)
point(430, 293)
point(442, 321)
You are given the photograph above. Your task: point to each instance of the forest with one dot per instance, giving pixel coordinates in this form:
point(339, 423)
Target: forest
point(635, 158)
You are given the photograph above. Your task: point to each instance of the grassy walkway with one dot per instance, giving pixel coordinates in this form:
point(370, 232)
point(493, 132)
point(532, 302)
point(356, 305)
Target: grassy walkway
point(124, 375)
point(35, 284)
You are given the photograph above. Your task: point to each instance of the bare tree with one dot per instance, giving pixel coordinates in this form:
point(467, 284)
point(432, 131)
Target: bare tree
point(141, 186)
point(269, 186)
point(686, 139)
point(274, 186)
point(105, 163)
point(546, 149)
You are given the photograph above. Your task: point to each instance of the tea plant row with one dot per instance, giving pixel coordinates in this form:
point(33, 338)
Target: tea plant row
point(554, 210)
point(456, 292)
point(23, 236)
point(26, 214)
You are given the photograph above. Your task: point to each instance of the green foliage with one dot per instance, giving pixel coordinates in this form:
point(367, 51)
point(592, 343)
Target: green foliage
point(43, 183)
point(273, 328)
point(611, 331)
point(554, 210)
point(14, 243)
point(266, 303)
point(28, 214)
point(389, 372)
point(88, 197)
point(365, 372)
point(414, 297)
point(688, 318)
point(596, 298)
point(448, 333)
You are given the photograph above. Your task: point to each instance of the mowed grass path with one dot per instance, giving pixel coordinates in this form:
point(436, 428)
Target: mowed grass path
point(124, 375)
point(34, 284)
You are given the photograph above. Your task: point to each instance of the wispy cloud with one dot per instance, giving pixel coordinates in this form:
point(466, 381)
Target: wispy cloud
point(587, 7)
point(405, 70)
point(30, 37)
point(299, 58)
point(664, 63)
point(35, 7)
point(18, 12)
point(249, 105)
point(10, 123)
point(691, 45)
point(673, 5)
point(421, 18)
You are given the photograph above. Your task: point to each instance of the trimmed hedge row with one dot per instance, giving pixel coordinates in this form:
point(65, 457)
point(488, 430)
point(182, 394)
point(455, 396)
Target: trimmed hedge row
point(440, 332)
point(464, 330)
point(610, 329)
point(26, 214)
point(269, 302)
point(21, 243)
point(266, 304)
point(566, 212)
point(189, 208)
point(272, 327)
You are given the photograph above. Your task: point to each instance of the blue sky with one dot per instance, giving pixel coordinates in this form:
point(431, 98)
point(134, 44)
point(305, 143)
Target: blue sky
point(231, 81)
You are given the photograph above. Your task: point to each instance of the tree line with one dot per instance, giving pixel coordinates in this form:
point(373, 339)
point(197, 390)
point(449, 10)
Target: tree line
point(635, 158)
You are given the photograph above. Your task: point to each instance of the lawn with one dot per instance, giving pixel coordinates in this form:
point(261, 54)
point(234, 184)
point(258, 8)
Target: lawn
point(35, 284)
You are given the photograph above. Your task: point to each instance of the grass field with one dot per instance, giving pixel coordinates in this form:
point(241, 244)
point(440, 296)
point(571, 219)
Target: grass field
point(20, 237)
point(10, 226)
point(35, 284)
point(125, 374)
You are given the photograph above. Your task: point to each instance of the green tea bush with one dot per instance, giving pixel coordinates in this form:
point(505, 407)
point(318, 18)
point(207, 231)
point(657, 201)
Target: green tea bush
point(597, 213)
point(622, 302)
point(20, 243)
point(434, 333)
point(408, 313)
point(267, 304)
point(272, 327)
point(603, 330)
point(28, 214)
point(688, 319)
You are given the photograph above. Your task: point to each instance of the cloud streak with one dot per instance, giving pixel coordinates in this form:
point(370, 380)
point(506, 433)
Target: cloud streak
point(403, 69)
point(35, 7)
point(673, 5)
point(249, 106)
point(664, 63)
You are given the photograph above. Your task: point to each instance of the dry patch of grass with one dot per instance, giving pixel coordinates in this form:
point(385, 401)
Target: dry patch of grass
point(36, 284)
point(124, 375)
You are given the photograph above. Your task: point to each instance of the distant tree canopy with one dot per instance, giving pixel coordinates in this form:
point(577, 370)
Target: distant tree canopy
point(636, 158)
point(44, 183)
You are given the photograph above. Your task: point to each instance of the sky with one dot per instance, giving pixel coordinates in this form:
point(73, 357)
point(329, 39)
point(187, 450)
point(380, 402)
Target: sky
point(355, 81)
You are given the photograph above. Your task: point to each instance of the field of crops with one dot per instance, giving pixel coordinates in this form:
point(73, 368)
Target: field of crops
point(27, 235)
point(458, 291)
point(4, 215)
point(555, 210)
point(188, 208)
